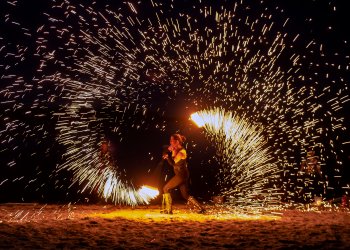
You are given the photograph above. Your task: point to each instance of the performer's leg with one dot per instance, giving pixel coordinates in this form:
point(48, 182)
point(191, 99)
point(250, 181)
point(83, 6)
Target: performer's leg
point(184, 190)
point(167, 200)
point(196, 204)
point(173, 183)
point(167, 204)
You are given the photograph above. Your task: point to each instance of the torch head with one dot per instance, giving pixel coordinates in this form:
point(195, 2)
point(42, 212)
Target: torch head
point(197, 119)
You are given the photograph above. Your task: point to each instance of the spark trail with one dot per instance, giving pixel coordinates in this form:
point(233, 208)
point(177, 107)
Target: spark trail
point(97, 63)
point(247, 160)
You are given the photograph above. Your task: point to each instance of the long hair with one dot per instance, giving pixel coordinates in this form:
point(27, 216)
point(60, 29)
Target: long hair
point(180, 138)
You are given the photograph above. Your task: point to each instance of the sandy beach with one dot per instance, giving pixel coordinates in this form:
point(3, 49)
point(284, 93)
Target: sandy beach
point(38, 226)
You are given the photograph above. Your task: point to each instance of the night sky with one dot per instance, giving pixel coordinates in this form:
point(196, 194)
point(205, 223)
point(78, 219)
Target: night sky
point(76, 74)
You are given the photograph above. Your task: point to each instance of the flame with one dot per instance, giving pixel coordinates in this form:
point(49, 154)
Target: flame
point(198, 119)
point(147, 193)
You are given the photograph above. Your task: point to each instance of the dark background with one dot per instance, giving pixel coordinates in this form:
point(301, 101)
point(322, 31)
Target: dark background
point(140, 149)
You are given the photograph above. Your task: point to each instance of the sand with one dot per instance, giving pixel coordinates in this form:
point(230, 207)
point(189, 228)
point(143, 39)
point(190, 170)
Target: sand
point(36, 226)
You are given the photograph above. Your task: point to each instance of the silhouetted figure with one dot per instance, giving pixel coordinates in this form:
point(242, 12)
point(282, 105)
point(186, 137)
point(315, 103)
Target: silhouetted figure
point(178, 160)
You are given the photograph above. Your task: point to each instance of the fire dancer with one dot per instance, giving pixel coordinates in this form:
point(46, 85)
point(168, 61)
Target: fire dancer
point(178, 160)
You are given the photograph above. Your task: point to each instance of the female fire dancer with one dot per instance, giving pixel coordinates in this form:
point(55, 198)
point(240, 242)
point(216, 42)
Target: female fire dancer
point(178, 161)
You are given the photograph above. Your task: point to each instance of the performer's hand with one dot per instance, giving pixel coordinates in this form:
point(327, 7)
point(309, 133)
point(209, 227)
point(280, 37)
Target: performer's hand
point(165, 156)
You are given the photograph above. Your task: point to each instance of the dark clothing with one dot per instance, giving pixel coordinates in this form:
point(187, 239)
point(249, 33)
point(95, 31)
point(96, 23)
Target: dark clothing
point(180, 168)
point(180, 179)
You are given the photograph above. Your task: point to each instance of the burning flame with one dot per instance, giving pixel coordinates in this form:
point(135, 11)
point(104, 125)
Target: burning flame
point(147, 193)
point(198, 119)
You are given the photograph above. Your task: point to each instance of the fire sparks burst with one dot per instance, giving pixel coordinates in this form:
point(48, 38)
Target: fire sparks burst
point(96, 64)
point(246, 158)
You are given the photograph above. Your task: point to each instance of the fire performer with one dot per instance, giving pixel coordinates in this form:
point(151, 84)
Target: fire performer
point(178, 160)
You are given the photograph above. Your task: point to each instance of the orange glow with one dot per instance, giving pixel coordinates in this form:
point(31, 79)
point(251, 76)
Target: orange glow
point(182, 214)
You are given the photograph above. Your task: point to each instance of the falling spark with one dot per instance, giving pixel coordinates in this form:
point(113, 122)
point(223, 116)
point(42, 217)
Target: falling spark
point(99, 68)
point(248, 161)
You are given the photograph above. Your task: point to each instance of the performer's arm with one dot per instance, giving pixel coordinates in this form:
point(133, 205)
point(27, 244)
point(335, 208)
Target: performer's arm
point(180, 156)
point(170, 161)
